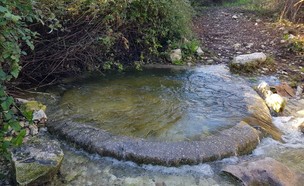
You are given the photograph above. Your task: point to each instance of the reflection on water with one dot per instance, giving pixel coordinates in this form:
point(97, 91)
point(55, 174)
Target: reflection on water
point(157, 104)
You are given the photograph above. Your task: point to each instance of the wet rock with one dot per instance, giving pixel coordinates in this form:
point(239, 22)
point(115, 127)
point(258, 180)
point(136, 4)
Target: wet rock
point(276, 102)
point(294, 107)
point(264, 172)
point(284, 90)
point(247, 62)
point(299, 91)
point(36, 162)
point(176, 55)
point(264, 89)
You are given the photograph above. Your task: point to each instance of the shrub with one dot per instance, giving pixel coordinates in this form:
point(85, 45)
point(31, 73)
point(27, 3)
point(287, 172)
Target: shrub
point(95, 32)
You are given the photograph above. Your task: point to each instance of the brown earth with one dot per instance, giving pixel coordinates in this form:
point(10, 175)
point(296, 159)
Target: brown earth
point(227, 32)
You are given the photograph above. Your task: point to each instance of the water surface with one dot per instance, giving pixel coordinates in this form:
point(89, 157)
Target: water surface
point(157, 104)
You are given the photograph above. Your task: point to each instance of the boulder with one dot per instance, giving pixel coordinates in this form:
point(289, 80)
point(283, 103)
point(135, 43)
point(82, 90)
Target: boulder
point(36, 162)
point(264, 172)
point(247, 62)
point(276, 102)
point(176, 55)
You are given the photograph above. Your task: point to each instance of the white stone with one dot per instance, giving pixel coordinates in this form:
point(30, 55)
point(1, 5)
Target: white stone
point(33, 130)
point(276, 102)
point(199, 51)
point(176, 55)
point(264, 90)
point(234, 17)
point(39, 115)
point(249, 58)
point(237, 46)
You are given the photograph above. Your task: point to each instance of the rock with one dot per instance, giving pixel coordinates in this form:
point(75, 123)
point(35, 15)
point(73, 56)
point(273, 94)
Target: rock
point(176, 55)
point(199, 51)
point(237, 46)
point(264, 172)
point(294, 107)
point(299, 91)
point(264, 90)
point(234, 17)
point(39, 116)
point(276, 102)
point(33, 130)
point(301, 127)
point(249, 45)
point(36, 162)
point(285, 90)
point(247, 62)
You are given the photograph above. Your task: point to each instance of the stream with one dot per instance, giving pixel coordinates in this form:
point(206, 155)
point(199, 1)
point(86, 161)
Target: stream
point(128, 99)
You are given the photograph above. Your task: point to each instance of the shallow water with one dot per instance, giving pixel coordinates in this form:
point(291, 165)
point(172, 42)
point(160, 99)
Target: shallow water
point(81, 168)
point(157, 104)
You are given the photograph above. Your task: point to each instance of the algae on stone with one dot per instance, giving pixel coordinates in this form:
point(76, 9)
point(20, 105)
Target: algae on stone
point(36, 162)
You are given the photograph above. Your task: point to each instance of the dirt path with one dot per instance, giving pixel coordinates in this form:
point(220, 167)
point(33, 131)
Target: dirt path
point(227, 32)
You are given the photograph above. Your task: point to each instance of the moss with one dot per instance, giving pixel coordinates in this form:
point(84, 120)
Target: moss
point(35, 173)
point(251, 68)
point(32, 106)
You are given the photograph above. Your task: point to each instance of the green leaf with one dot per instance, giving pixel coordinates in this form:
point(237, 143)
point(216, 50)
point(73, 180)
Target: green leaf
point(28, 115)
point(15, 125)
point(2, 92)
point(8, 115)
point(18, 140)
point(15, 72)
point(3, 9)
point(3, 75)
point(7, 103)
point(30, 44)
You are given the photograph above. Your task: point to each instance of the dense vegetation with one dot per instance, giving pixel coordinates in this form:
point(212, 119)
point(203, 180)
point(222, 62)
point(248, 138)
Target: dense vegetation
point(41, 39)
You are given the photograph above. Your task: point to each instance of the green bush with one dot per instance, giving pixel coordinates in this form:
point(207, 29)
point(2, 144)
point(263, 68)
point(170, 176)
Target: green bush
point(13, 34)
point(98, 33)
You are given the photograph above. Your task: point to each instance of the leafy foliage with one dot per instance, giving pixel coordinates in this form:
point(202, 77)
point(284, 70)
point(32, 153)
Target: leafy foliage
point(13, 32)
point(110, 34)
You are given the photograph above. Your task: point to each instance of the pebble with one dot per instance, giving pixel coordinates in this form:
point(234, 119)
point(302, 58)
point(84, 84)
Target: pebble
point(33, 130)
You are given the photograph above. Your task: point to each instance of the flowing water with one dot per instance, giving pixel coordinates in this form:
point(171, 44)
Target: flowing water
point(157, 104)
point(119, 104)
point(80, 168)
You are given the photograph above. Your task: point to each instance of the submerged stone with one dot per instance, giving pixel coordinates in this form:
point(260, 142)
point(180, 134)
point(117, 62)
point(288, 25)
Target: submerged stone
point(36, 162)
point(264, 172)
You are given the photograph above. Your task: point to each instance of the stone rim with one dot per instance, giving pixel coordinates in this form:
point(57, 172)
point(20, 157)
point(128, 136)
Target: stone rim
point(238, 140)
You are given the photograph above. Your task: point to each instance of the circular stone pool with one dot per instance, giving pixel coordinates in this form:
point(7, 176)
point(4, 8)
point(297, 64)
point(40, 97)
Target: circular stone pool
point(163, 112)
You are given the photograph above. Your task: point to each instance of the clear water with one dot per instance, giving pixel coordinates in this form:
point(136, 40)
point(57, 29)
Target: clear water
point(80, 168)
point(159, 104)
